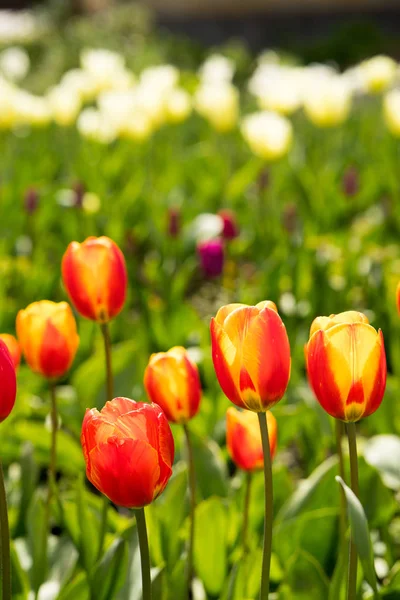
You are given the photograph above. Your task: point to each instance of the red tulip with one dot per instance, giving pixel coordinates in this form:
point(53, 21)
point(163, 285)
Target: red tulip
point(8, 383)
point(251, 354)
point(243, 438)
point(95, 277)
point(129, 451)
point(172, 381)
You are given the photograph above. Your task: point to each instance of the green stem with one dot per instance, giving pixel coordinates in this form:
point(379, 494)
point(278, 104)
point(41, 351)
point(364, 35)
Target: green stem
point(268, 494)
point(144, 553)
point(352, 580)
point(342, 516)
point(246, 512)
point(110, 395)
point(5, 540)
point(192, 490)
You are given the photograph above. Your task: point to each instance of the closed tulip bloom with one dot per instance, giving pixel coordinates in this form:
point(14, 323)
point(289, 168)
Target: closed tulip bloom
point(230, 227)
point(346, 365)
point(243, 438)
point(47, 334)
point(211, 255)
point(8, 383)
point(172, 381)
point(129, 451)
point(94, 274)
point(13, 347)
point(251, 354)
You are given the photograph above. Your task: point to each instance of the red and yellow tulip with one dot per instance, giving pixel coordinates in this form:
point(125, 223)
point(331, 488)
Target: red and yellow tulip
point(47, 334)
point(172, 381)
point(251, 354)
point(8, 383)
point(243, 438)
point(346, 365)
point(129, 451)
point(95, 277)
point(13, 347)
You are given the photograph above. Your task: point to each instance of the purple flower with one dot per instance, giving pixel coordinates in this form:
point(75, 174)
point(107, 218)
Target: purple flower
point(230, 230)
point(351, 182)
point(174, 222)
point(211, 254)
point(31, 200)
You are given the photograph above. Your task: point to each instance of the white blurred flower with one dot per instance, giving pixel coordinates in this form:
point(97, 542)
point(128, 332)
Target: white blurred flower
point(391, 111)
point(219, 104)
point(30, 109)
point(106, 70)
point(216, 69)
point(65, 104)
point(378, 73)
point(19, 26)
point(91, 203)
point(14, 63)
point(7, 110)
point(268, 134)
point(206, 226)
point(138, 127)
point(178, 106)
point(79, 82)
point(92, 124)
point(327, 100)
point(161, 78)
point(277, 88)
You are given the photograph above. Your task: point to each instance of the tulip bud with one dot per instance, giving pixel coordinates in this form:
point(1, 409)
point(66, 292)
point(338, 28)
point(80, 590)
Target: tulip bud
point(346, 365)
point(94, 275)
point(48, 337)
point(230, 227)
point(243, 438)
point(211, 254)
point(129, 451)
point(351, 182)
point(251, 354)
point(79, 191)
point(174, 222)
point(8, 382)
point(13, 347)
point(172, 381)
point(31, 200)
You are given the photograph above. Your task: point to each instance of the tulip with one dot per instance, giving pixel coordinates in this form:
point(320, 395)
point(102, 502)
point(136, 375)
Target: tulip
point(174, 222)
point(13, 347)
point(129, 451)
point(8, 383)
point(243, 438)
point(351, 182)
point(230, 228)
point(346, 365)
point(48, 337)
point(31, 200)
point(172, 381)
point(391, 111)
point(94, 274)
point(211, 254)
point(268, 134)
point(251, 354)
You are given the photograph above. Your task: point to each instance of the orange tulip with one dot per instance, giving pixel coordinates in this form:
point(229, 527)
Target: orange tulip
point(243, 438)
point(346, 365)
point(251, 354)
point(48, 338)
point(13, 347)
point(129, 451)
point(172, 381)
point(8, 383)
point(94, 275)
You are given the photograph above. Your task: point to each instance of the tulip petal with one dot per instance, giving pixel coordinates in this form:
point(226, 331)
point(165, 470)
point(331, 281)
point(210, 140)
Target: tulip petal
point(223, 355)
point(125, 470)
point(225, 311)
point(374, 376)
point(266, 357)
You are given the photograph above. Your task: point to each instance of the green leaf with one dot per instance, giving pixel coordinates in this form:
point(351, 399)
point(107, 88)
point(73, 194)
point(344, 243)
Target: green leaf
point(304, 579)
point(211, 473)
point(210, 546)
point(88, 528)
point(20, 580)
point(29, 477)
point(37, 540)
point(360, 533)
point(108, 575)
point(76, 589)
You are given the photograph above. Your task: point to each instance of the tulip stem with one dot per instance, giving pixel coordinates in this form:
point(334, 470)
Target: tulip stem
point(246, 512)
point(110, 395)
point(5, 540)
point(268, 495)
point(144, 553)
point(192, 490)
point(107, 351)
point(352, 579)
point(342, 515)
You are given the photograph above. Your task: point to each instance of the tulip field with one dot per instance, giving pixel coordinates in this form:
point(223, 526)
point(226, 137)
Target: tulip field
point(199, 318)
